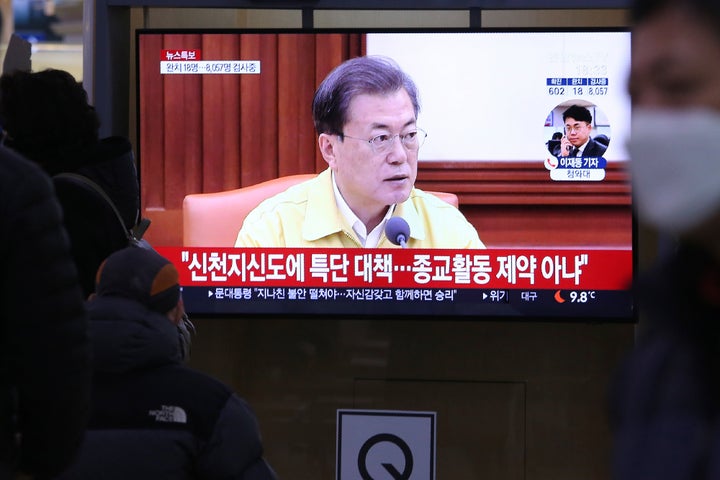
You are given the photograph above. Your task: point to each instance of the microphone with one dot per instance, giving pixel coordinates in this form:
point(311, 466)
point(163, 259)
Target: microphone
point(397, 231)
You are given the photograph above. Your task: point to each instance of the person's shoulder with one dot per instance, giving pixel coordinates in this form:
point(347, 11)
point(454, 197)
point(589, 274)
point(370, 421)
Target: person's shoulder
point(14, 165)
point(448, 224)
point(195, 380)
point(23, 180)
point(425, 196)
point(199, 392)
point(597, 147)
point(295, 196)
point(424, 200)
point(106, 157)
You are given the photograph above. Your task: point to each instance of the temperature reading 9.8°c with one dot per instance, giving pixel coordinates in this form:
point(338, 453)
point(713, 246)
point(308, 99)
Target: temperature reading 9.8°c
point(582, 296)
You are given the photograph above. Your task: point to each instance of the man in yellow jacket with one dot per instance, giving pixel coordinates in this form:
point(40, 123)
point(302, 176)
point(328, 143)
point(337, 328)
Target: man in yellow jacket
point(365, 113)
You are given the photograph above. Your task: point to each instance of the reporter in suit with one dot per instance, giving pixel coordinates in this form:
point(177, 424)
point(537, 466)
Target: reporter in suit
point(577, 141)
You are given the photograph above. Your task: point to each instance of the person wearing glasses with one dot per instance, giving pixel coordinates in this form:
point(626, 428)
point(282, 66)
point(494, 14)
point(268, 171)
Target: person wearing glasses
point(365, 113)
point(577, 141)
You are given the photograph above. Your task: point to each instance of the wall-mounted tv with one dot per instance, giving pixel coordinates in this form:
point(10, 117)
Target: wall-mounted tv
point(221, 110)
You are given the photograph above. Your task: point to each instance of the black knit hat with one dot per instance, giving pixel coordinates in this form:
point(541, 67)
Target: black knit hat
point(142, 275)
point(578, 112)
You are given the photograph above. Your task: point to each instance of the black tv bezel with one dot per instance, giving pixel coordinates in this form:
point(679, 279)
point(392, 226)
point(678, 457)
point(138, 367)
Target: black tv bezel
point(633, 316)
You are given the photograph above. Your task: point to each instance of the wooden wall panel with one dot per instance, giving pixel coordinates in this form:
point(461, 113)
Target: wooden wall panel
point(296, 86)
point(258, 115)
point(220, 119)
point(152, 124)
point(182, 133)
point(543, 226)
point(206, 133)
point(515, 204)
point(521, 183)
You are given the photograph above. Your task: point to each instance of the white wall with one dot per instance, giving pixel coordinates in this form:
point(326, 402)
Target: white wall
point(484, 95)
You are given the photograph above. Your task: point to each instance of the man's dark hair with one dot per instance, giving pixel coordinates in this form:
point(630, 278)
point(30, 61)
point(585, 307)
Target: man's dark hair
point(602, 138)
point(372, 75)
point(578, 113)
point(46, 114)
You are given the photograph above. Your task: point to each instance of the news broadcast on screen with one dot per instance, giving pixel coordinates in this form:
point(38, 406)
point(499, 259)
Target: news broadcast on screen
point(504, 112)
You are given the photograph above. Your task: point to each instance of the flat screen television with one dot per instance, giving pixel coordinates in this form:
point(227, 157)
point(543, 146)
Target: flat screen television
point(220, 110)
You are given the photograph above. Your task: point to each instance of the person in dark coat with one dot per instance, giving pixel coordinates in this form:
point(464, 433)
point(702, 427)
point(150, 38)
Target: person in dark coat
point(44, 349)
point(154, 417)
point(46, 117)
point(665, 398)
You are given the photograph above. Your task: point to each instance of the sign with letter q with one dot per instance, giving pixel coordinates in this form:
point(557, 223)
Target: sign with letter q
point(385, 444)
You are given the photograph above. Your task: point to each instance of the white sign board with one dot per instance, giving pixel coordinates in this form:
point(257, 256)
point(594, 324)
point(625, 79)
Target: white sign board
point(385, 445)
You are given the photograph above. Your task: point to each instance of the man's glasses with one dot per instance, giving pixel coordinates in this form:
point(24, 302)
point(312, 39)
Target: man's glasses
point(578, 127)
point(381, 144)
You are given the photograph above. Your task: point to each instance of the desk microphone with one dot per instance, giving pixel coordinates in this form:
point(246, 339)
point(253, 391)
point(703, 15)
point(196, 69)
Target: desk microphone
point(397, 231)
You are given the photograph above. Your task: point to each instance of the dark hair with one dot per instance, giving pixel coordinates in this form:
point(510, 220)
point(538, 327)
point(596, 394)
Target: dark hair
point(707, 11)
point(578, 113)
point(374, 75)
point(602, 138)
point(46, 114)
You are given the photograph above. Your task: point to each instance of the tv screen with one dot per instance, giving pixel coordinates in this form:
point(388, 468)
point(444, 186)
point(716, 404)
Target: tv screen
point(223, 110)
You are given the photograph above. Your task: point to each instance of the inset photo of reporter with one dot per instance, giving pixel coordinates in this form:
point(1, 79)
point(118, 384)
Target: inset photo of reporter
point(577, 128)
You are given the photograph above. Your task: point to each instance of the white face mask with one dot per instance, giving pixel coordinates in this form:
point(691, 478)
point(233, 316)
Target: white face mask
point(675, 166)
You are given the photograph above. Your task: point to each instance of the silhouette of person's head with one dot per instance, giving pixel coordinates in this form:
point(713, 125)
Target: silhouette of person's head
point(46, 115)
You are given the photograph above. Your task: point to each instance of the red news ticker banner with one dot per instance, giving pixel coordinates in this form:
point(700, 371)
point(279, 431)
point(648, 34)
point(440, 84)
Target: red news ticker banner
point(403, 268)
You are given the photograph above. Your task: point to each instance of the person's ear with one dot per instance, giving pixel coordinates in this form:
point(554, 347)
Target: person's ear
point(326, 142)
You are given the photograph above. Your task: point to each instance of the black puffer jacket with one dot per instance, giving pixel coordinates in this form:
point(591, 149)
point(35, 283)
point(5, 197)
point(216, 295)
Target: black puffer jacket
point(95, 232)
point(44, 350)
point(154, 418)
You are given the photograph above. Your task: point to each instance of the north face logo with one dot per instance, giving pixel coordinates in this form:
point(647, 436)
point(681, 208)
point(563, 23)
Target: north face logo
point(169, 413)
